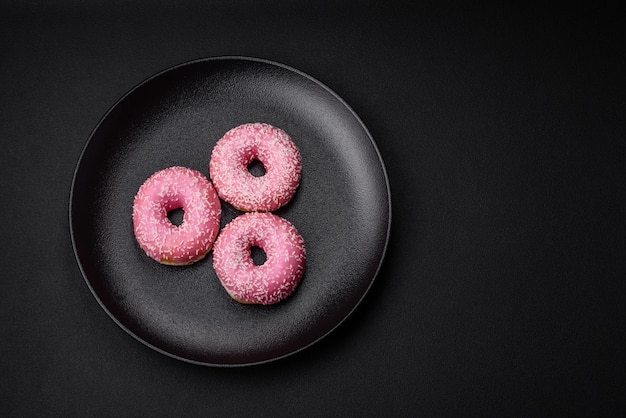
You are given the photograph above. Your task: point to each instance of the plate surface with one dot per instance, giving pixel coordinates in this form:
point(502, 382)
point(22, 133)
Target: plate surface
point(342, 209)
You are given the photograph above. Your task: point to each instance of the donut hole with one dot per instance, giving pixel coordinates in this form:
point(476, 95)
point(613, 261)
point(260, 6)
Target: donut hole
point(256, 168)
point(258, 255)
point(176, 216)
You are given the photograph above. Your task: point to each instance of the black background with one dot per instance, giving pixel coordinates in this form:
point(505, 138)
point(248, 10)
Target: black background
point(502, 131)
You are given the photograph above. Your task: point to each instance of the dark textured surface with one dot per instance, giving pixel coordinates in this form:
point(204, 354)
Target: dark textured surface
point(342, 210)
point(502, 130)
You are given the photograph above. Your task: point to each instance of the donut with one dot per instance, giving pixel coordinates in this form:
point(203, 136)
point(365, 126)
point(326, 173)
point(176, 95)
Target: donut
point(166, 190)
point(241, 146)
point(270, 282)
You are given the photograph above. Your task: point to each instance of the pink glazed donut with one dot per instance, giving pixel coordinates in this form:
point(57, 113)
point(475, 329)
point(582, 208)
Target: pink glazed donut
point(270, 282)
point(169, 189)
point(274, 149)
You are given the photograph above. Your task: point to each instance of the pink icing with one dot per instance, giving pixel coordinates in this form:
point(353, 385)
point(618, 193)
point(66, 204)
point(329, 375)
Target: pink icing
point(166, 190)
point(270, 282)
point(237, 149)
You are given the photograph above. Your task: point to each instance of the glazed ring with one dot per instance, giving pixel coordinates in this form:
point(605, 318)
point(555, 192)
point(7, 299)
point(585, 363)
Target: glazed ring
point(285, 262)
point(241, 146)
point(169, 189)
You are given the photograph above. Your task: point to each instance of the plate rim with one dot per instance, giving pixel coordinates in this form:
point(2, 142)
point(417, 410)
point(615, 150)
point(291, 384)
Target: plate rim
point(230, 58)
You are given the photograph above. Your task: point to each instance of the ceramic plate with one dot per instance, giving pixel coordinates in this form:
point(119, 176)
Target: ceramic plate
point(342, 209)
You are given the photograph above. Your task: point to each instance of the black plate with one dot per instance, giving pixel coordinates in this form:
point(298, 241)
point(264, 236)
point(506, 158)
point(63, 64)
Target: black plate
point(342, 209)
